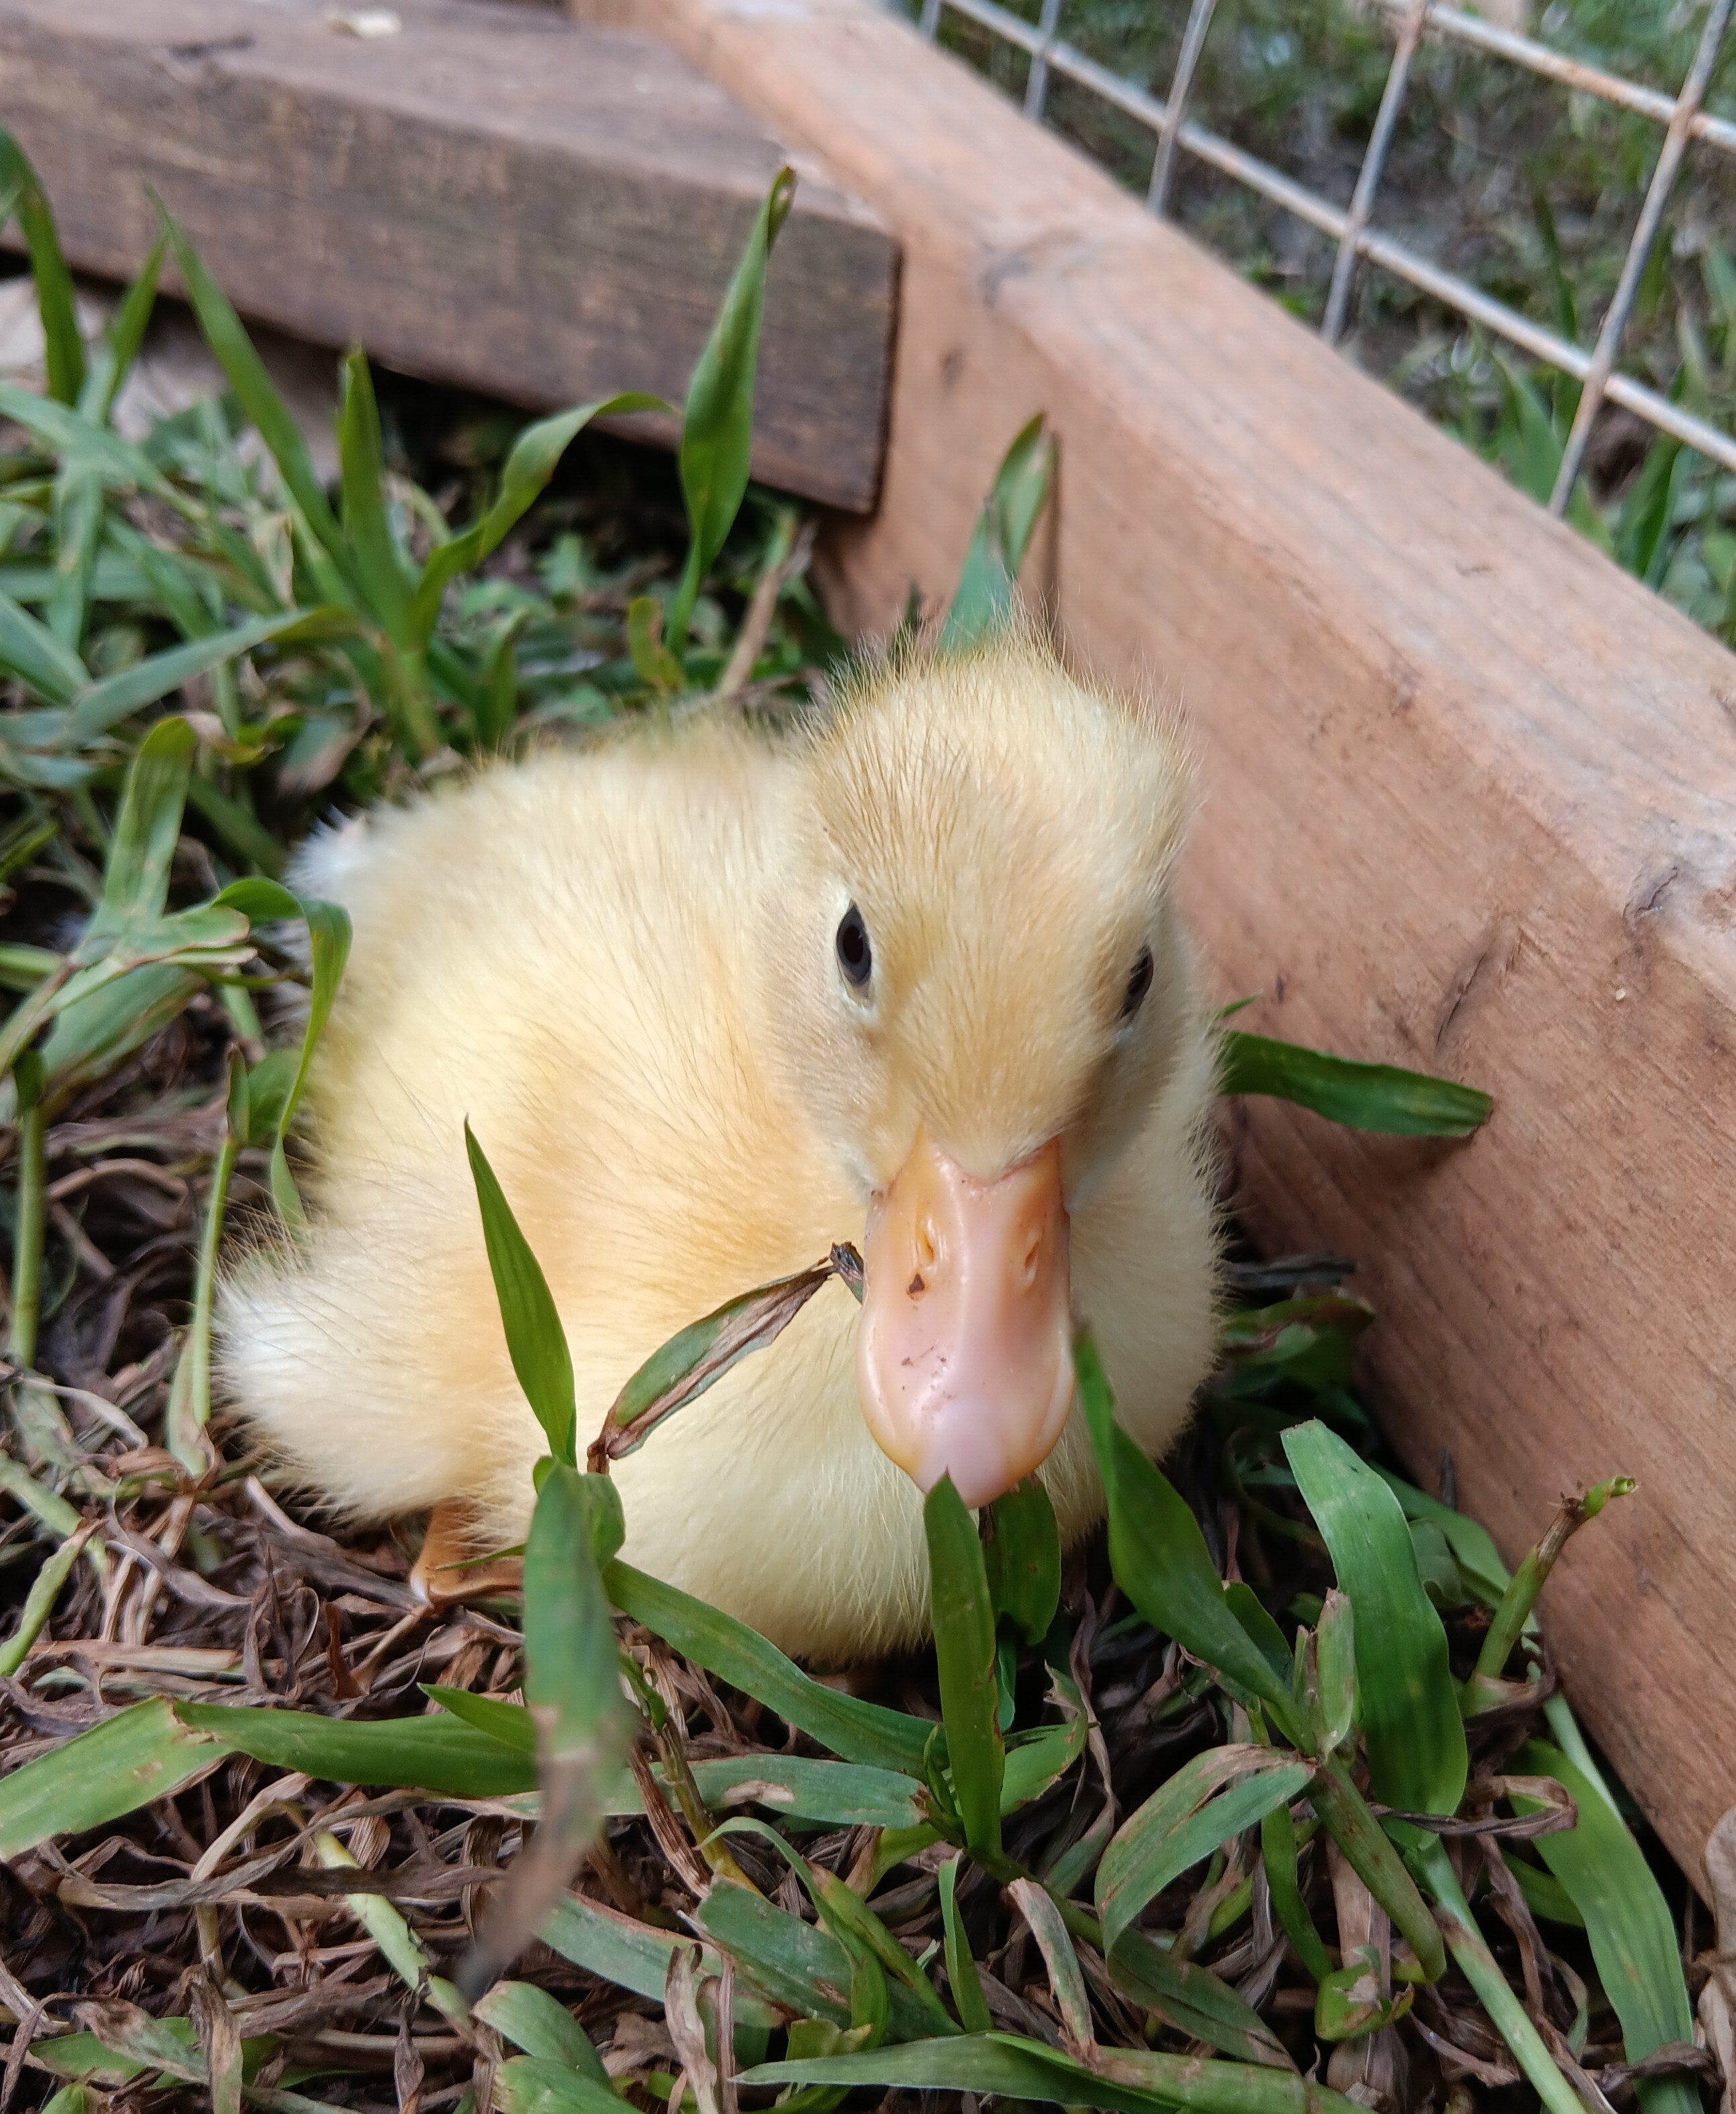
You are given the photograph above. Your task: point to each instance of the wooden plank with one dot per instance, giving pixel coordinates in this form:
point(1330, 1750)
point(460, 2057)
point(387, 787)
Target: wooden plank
point(1468, 804)
point(494, 197)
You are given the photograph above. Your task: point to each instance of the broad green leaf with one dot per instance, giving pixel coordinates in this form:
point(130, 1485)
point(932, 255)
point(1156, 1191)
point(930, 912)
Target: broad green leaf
point(141, 1754)
point(1472, 1546)
point(1407, 1703)
point(989, 577)
point(536, 1342)
point(1195, 2001)
point(271, 417)
point(717, 423)
point(419, 1754)
point(1605, 1874)
point(789, 1962)
point(1127, 2081)
point(1022, 1550)
point(1160, 1556)
point(634, 1955)
point(30, 651)
point(962, 1977)
point(54, 296)
point(532, 2019)
point(530, 465)
point(98, 706)
point(1209, 1800)
point(532, 2084)
point(1332, 1663)
point(963, 1617)
point(1034, 1760)
point(846, 1726)
point(1374, 1097)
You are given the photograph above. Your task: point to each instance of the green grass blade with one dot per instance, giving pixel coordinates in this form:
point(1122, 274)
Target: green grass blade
point(54, 295)
point(1209, 1800)
point(141, 1754)
point(573, 1681)
point(1627, 1919)
point(510, 1723)
point(328, 944)
point(990, 578)
point(122, 339)
point(535, 1340)
point(259, 399)
point(717, 424)
point(79, 510)
point(136, 881)
point(41, 662)
point(532, 2019)
point(1373, 1097)
point(962, 1978)
point(79, 439)
point(1278, 1855)
point(1160, 1556)
point(1407, 1703)
point(963, 1617)
point(532, 463)
point(634, 1955)
point(379, 564)
point(1126, 2080)
point(530, 2084)
point(419, 1754)
point(1022, 1550)
point(1195, 2001)
point(845, 1725)
point(96, 707)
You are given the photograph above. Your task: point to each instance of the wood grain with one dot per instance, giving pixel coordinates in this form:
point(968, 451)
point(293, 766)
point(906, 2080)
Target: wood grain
point(494, 198)
point(1469, 803)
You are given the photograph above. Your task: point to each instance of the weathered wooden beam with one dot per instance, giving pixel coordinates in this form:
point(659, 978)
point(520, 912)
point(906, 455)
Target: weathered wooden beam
point(493, 197)
point(1469, 803)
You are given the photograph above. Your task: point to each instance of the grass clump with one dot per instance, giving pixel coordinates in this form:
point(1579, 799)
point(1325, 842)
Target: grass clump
point(1277, 1781)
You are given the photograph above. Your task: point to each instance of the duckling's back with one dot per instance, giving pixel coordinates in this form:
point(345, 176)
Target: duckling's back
point(559, 952)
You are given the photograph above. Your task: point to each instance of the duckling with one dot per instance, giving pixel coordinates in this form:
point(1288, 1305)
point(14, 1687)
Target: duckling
point(713, 1001)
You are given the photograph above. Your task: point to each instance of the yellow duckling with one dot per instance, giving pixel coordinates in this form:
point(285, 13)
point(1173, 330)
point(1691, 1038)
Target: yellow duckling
point(713, 1001)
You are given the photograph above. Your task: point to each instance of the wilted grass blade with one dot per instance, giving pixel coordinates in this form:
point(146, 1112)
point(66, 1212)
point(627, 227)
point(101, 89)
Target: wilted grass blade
point(1209, 1800)
point(989, 577)
point(1011, 2067)
point(39, 1603)
point(963, 1619)
point(1160, 1556)
point(1065, 1978)
point(697, 1357)
point(1627, 1919)
point(530, 465)
point(1513, 1613)
point(573, 1685)
point(717, 423)
point(1369, 1850)
point(532, 2019)
point(535, 1339)
point(141, 1754)
point(1407, 1703)
point(846, 1725)
point(54, 295)
point(1375, 1097)
point(1022, 1550)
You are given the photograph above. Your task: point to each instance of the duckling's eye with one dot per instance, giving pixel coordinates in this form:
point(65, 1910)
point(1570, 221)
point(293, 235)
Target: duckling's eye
point(855, 956)
point(1138, 984)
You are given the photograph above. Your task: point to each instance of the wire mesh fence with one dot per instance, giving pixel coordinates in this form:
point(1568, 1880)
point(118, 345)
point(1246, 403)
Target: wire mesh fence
point(1114, 74)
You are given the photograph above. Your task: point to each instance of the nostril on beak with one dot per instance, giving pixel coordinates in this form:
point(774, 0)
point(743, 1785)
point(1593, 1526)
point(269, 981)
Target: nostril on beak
point(927, 1248)
point(1030, 1260)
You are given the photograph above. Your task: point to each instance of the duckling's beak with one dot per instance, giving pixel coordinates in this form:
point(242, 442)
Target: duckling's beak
point(963, 1358)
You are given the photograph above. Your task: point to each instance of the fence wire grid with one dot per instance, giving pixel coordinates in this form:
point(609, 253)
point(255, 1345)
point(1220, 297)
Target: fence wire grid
point(1176, 133)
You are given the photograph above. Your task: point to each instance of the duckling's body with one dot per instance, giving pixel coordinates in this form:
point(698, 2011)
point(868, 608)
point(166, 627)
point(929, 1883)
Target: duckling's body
point(617, 965)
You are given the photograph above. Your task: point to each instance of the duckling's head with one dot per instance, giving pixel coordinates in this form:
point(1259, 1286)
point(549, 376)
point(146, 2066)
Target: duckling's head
point(982, 986)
